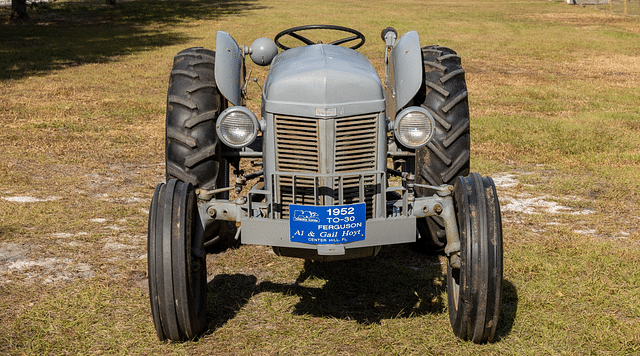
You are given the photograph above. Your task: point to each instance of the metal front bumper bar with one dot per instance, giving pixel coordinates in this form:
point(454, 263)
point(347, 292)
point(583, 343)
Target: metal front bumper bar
point(260, 227)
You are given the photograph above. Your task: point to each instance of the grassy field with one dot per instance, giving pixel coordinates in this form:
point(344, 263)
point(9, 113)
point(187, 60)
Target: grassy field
point(554, 92)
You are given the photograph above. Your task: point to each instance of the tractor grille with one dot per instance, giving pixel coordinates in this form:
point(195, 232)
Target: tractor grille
point(355, 146)
point(297, 146)
point(341, 173)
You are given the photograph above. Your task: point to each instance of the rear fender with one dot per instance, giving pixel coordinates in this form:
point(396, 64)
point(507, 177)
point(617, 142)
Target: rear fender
point(229, 68)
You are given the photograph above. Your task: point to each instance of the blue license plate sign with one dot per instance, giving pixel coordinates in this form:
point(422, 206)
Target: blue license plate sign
point(321, 225)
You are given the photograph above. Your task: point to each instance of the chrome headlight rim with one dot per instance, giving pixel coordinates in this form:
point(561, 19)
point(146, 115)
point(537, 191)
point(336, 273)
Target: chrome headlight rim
point(227, 114)
point(402, 115)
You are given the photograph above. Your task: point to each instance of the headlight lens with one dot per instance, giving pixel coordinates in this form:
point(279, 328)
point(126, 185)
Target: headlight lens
point(237, 127)
point(414, 127)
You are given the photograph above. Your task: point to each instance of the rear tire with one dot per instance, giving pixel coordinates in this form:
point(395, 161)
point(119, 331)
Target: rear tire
point(474, 290)
point(193, 105)
point(444, 95)
point(192, 148)
point(177, 263)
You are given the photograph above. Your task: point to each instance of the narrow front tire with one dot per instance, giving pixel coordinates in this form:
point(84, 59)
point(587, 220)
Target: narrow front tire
point(177, 263)
point(474, 290)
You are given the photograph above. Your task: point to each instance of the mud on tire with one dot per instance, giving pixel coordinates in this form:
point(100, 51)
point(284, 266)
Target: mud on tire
point(193, 104)
point(176, 263)
point(444, 95)
point(474, 290)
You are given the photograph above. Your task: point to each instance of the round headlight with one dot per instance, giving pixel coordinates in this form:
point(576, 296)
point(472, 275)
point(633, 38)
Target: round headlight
point(237, 127)
point(414, 127)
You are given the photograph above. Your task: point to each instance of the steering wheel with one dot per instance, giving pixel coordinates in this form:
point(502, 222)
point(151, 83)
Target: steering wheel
point(293, 32)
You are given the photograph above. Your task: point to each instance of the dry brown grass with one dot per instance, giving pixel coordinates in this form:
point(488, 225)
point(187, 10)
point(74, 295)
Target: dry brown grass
point(553, 93)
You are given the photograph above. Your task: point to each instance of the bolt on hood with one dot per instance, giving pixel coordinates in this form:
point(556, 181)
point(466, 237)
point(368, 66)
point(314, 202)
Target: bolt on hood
point(322, 81)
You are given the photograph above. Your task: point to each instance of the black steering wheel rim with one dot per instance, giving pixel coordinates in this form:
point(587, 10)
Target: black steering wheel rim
point(357, 35)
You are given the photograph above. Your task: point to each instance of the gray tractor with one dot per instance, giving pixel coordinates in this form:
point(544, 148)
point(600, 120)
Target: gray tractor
point(330, 137)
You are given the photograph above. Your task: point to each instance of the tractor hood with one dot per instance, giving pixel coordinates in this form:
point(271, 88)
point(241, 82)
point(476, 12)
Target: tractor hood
point(322, 81)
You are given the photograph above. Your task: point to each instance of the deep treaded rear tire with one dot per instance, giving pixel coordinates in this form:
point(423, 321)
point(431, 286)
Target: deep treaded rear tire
point(193, 104)
point(444, 95)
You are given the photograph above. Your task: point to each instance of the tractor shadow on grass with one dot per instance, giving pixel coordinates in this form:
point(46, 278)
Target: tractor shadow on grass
point(227, 294)
point(508, 310)
point(68, 34)
point(398, 283)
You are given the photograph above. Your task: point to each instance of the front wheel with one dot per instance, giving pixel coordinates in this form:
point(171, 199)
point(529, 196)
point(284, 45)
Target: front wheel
point(474, 289)
point(177, 263)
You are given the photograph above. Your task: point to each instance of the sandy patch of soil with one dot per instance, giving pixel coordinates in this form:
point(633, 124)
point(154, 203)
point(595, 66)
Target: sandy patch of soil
point(109, 242)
